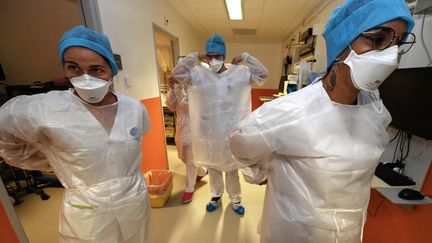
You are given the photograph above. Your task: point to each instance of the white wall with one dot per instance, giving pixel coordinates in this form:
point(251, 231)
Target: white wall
point(269, 54)
point(30, 31)
point(320, 20)
point(129, 24)
point(417, 55)
point(321, 50)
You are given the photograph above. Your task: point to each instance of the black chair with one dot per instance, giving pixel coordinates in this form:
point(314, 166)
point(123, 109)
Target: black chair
point(20, 182)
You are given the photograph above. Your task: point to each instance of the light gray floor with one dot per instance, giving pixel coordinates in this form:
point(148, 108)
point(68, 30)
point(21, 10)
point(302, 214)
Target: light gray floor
point(174, 223)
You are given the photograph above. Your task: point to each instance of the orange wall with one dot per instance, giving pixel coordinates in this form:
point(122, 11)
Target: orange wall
point(393, 223)
point(256, 93)
point(7, 233)
point(154, 145)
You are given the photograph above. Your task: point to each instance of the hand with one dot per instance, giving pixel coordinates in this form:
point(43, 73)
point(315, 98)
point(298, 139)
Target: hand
point(236, 60)
point(203, 58)
point(171, 81)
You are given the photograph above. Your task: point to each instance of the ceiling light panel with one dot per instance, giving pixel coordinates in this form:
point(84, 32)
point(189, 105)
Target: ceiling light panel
point(235, 9)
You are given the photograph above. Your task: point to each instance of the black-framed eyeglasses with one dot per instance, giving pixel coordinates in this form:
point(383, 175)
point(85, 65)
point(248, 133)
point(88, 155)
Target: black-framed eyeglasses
point(215, 56)
point(383, 37)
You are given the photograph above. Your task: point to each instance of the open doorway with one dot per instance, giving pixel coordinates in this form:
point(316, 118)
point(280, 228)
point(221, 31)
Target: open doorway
point(166, 46)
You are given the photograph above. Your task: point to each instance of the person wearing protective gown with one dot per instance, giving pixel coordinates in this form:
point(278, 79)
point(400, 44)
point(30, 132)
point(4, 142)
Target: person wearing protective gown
point(177, 101)
point(219, 97)
point(317, 148)
point(90, 137)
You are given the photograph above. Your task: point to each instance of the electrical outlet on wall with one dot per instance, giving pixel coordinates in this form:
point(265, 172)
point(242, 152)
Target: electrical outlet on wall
point(127, 80)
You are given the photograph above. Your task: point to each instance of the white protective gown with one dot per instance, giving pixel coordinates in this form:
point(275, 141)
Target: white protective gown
point(105, 197)
point(319, 158)
point(177, 101)
point(217, 102)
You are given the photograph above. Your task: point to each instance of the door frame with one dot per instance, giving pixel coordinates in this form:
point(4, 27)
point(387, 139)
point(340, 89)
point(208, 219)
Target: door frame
point(176, 51)
point(89, 12)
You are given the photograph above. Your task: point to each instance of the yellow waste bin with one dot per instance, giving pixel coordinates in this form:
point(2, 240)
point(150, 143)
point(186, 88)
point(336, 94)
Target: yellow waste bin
point(159, 186)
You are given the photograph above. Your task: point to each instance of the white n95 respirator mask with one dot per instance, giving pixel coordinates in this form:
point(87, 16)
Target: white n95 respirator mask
point(370, 69)
point(90, 89)
point(215, 65)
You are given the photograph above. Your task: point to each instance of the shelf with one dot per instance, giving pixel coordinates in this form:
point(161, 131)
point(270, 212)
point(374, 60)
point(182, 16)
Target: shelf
point(392, 194)
point(417, 165)
point(266, 98)
point(169, 123)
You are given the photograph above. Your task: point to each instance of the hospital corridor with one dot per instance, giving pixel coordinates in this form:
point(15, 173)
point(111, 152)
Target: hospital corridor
point(215, 121)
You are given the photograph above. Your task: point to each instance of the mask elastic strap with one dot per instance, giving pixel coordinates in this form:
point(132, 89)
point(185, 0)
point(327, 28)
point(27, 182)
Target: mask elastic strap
point(372, 98)
point(378, 106)
point(340, 62)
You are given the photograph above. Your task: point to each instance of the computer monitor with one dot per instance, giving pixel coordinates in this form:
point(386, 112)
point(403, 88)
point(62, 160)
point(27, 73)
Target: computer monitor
point(2, 73)
point(407, 95)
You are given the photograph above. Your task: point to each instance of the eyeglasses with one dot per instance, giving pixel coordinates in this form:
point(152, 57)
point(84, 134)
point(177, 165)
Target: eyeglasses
point(383, 37)
point(215, 56)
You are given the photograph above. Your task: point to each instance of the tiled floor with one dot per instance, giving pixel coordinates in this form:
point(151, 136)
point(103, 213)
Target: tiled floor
point(174, 223)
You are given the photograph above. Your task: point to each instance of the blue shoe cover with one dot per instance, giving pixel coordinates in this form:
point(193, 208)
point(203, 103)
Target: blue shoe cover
point(238, 208)
point(213, 205)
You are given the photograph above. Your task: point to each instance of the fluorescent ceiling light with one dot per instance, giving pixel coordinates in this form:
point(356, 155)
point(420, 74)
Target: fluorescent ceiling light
point(234, 8)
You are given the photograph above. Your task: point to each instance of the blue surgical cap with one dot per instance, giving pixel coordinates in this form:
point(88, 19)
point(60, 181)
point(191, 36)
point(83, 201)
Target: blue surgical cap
point(353, 17)
point(85, 37)
point(216, 44)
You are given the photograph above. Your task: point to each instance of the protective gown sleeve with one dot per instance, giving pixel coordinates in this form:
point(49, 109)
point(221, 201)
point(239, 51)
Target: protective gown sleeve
point(255, 174)
point(249, 145)
point(20, 133)
point(171, 100)
point(247, 142)
point(182, 72)
point(259, 73)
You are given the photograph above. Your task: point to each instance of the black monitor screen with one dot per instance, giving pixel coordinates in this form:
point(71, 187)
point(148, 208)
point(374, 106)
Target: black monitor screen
point(2, 73)
point(407, 94)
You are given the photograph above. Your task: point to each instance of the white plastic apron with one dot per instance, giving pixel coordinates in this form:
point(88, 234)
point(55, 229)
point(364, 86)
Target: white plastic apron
point(105, 196)
point(217, 102)
point(182, 136)
point(319, 181)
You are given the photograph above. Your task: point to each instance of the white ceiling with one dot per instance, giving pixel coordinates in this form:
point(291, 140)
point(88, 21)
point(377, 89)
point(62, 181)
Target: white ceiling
point(272, 20)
